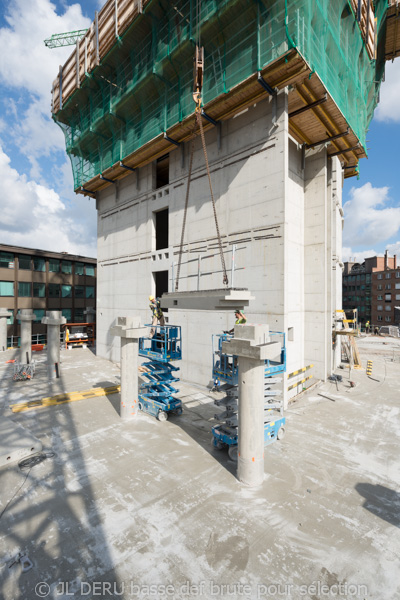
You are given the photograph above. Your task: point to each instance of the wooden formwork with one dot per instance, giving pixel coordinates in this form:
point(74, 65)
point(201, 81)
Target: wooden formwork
point(365, 10)
point(110, 23)
point(392, 45)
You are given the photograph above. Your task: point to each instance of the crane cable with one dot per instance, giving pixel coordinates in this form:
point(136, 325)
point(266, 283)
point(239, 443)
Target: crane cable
point(198, 122)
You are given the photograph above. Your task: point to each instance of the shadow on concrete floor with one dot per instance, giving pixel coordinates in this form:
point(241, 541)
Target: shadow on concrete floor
point(49, 516)
point(381, 501)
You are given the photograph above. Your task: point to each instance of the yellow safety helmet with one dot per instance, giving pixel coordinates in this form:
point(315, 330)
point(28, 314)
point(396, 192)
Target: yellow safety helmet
point(151, 298)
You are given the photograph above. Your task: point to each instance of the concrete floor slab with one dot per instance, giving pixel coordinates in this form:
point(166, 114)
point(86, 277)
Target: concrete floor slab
point(128, 505)
point(16, 442)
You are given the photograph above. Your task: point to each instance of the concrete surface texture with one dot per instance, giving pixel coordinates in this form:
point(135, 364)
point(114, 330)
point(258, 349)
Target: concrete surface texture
point(126, 505)
point(284, 219)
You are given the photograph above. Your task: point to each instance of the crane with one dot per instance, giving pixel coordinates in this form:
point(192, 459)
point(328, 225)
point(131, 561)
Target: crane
point(64, 39)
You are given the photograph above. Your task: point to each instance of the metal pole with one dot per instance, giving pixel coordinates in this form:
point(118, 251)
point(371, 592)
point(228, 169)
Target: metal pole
point(233, 264)
point(198, 272)
point(78, 83)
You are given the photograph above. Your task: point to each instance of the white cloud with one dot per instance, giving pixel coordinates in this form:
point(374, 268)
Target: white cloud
point(394, 249)
point(29, 68)
point(349, 255)
point(388, 109)
point(25, 62)
point(367, 220)
point(34, 216)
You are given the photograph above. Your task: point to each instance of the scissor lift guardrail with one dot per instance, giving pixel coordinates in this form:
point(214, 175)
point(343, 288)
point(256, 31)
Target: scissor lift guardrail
point(225, 371)
point(156, 394)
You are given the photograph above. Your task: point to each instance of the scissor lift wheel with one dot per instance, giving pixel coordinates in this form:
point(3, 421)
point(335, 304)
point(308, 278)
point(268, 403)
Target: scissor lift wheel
point(162, 415)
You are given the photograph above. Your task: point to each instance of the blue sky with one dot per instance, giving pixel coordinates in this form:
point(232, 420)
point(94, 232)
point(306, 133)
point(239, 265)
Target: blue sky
point(38, 206)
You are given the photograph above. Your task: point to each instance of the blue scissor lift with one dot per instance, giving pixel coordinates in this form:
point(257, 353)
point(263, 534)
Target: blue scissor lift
point(225, 371)
point(155, 395)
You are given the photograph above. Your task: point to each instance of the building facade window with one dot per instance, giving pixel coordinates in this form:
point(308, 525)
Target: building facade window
point(24, 289)
point(397, 296)
point(24, 262)
point(388, 307)
point(54, 290)
point(66, 312)
point(39, 290)
point(388, 275)
point(10, 319)
point(380, 275)
point(89, 291)
point(6, 260)
point(39, 313)
point(379, 297)
point(368, 278)
point(379, 317)
point(79, 268)
point(66, 291)
point(90, 270)
point(79, 316)
point(387, 286)
point(379, 307)
point(6, 288)
point(54, 265)
point(388, 296)
point(388, 319)
point(397, 286)
point(397, 274)
point(379, 287)
point(79, 291)
point(66, 267)
point(39, 264)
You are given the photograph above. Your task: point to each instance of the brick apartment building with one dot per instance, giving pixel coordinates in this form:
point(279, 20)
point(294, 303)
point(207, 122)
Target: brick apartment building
point(363, 290)
point(44, 281)
point(386, 295)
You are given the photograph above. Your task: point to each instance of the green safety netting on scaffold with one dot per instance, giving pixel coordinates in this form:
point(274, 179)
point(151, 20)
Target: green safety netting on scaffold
point(144, 85)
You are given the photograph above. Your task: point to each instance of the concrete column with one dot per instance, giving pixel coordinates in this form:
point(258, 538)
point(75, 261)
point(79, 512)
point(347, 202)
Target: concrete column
point(317, 316)
point(25, 317)
point(129, 330)
point(90, 313)
point(252, 345)
point(4, 314)
point(53, 320)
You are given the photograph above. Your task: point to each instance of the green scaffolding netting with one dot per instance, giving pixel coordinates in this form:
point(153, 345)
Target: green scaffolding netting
point(144, 85)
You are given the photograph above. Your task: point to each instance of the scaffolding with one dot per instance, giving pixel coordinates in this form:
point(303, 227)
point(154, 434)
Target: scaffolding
point(124, 96)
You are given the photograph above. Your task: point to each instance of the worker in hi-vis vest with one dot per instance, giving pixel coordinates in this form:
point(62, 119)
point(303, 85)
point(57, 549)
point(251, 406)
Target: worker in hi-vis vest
point(158, 315)
point(240, 319)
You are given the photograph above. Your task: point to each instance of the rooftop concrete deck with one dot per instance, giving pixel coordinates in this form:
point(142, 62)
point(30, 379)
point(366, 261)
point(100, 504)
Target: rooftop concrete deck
point(128, 505)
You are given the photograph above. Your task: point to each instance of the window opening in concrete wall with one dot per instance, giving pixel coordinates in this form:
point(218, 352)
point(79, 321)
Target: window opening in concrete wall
point(161, 227)
point(161, 282)
point(290, 334)
point(162, 171)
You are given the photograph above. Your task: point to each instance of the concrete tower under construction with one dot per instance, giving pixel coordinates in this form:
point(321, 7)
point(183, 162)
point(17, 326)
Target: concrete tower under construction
point(287, 94)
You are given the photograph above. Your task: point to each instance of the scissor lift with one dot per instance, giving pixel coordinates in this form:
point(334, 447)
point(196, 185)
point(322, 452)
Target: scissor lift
point(156, 394)
point(225, 372)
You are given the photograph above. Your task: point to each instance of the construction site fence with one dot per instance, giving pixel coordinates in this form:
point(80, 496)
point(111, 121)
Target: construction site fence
point(38, 339)
point(131, 77)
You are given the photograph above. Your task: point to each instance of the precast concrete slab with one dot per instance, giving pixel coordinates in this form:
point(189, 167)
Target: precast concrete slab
point(16, 442)
point(225, 299)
